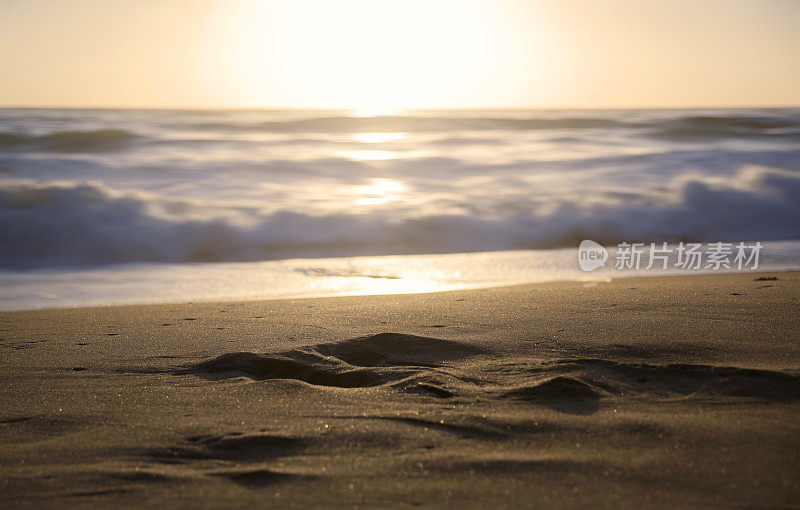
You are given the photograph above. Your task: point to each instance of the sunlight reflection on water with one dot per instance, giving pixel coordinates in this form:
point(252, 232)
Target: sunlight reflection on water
point(379, 155)
point(378, 137)
point(301, 278)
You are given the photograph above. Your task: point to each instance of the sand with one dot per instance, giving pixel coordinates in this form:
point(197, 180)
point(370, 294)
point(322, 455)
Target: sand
point(675, 392)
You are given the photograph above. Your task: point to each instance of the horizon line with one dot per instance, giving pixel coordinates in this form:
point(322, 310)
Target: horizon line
point(396, 109)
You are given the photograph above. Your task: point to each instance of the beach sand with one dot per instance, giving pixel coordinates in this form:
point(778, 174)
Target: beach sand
point(673, 392)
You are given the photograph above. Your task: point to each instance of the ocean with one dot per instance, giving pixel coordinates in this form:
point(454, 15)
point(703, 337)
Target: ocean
point(103, 206)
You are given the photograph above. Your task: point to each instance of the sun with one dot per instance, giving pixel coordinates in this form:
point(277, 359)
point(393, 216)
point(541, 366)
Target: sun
point(367, 55)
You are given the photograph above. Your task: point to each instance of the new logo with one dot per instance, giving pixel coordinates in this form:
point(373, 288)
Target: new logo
point(591, 255)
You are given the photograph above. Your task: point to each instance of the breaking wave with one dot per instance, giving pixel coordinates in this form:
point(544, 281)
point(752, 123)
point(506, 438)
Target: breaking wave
point(68, 223)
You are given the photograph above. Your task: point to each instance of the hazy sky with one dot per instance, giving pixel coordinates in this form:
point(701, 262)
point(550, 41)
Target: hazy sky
point(404, 53)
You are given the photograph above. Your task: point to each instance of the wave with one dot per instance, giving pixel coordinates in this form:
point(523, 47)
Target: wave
point(749, 122)
point(686, 125)
point(69, 224)
point(349, 124)
point(700, 127)
point(99, 140)
point(112, 137)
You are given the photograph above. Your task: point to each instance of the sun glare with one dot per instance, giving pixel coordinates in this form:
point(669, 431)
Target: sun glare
point(373, 56)
point(378, 137)
point(374, 112)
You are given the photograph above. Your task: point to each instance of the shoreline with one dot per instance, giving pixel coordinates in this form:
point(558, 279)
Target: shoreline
point(587, 280)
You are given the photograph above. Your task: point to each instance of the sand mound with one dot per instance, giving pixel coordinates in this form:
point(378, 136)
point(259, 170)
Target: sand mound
point(670, 380)
point(395, 349)
point(419, 365)
point(300, 365)
point(356, 363)
point(557, 388)
point(561, 393)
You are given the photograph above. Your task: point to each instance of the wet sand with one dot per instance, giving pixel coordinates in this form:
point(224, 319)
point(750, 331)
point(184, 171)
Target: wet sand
point(675, 392)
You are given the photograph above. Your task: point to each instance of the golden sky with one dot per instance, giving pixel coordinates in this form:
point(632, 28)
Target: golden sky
point(389, 54)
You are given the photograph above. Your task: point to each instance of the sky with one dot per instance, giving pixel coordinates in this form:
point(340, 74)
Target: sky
point(393, 54)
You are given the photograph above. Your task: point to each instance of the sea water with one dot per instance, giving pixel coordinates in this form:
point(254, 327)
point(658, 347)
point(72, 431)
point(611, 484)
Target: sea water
point(132, 206)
